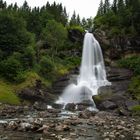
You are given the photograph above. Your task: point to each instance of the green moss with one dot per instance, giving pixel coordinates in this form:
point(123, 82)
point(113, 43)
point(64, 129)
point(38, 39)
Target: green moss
point(31, 78)
point(136, 110)
point(7, 95)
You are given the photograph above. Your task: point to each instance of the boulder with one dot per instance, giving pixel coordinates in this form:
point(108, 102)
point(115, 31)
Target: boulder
point(70, 106)
point(108, 105)
point(40, 106)
point(130, 104)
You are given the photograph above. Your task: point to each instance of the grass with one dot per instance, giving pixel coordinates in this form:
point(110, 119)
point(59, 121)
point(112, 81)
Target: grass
point(134, 87)
point(136, 110)
point(7, 94)
point(8, 90)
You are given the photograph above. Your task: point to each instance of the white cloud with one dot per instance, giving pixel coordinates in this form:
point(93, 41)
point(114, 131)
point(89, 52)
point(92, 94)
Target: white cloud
point(85, 8)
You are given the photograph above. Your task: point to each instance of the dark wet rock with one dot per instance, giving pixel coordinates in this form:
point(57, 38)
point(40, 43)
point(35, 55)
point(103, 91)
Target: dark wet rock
point(29, 94)
point(39, 92)
point(59, 85)
point(54, 111)
point(122, 111)
point(130, 104)
point(86, 103)
point(75, 35)
point(119, 74)
point(86, 114)
point(40, 106)
point(57, 106)
point(108, 105)
point(80, 107)
point(70, 106)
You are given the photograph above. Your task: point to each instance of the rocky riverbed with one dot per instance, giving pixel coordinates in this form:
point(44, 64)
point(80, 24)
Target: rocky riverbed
point(38, 121)
point(27, 123)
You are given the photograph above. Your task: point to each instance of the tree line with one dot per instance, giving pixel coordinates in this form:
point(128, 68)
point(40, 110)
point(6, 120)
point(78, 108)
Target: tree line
point(122, 17)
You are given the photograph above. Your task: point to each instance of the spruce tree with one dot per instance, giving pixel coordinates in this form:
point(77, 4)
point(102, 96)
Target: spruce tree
point(73, 20)
point(101, 8)
point(114, 6)
point(106, 6)
point(120, 6)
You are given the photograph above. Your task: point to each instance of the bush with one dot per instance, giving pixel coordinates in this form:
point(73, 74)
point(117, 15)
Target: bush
point(134, 87)
point(136, 110)
point(46, 66)
point(10, 69)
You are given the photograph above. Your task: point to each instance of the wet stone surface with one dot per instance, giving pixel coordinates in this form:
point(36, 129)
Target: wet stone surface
point(51, 124)
point(56, 124)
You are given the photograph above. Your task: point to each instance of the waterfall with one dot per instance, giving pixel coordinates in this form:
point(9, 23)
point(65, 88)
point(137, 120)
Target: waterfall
point(92, 74)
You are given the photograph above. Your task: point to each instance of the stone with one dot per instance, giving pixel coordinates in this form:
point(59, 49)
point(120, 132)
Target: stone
point(12, 125)
point(122, 111)
point(130, 104)
point(108, 105)
point(137, 134)
point(40, 106)
point(119, 127)
point(70, 106)
point(59, 128)
point(25, 126)
point(43, 128)
point(66, 128)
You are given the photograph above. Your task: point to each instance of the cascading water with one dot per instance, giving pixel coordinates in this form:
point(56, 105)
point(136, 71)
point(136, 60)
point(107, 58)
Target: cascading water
point(92, 74)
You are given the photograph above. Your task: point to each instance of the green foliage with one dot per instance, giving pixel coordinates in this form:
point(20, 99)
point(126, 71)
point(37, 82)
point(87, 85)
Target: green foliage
point(55, 35)
point(134, 87)
point(136, 110)
point(132, 63)
point(76, 27)
point(11, 68)
point(13, 34)
point(123, 16)
point(46, 66)
point(28, 57)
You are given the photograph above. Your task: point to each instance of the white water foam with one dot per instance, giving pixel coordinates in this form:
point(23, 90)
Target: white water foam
point(92, 74)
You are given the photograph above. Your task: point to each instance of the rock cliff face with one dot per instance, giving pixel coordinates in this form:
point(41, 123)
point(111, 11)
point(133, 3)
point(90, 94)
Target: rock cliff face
point(113, 47)
point(118, 45)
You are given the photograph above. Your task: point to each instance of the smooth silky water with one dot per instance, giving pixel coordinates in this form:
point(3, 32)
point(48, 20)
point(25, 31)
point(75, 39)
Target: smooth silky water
point(92, 75)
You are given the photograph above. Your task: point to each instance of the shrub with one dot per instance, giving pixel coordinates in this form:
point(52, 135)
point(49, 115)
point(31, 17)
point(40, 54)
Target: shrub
point(10, 69)
point(46, 66)
point(134, 87)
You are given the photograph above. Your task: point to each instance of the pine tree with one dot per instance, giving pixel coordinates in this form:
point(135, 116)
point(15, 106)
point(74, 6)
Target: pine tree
point(106, 6)
point(15, 7)
point(114, 6)
point(121, 6)
point(84, 23)
point(78, 21)
point(73, 20)
point(3, 5)
point(101, 9)
point(25, 6)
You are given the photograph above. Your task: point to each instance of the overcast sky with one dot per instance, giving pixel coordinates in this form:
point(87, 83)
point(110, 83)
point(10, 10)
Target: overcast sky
point(85, 8)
